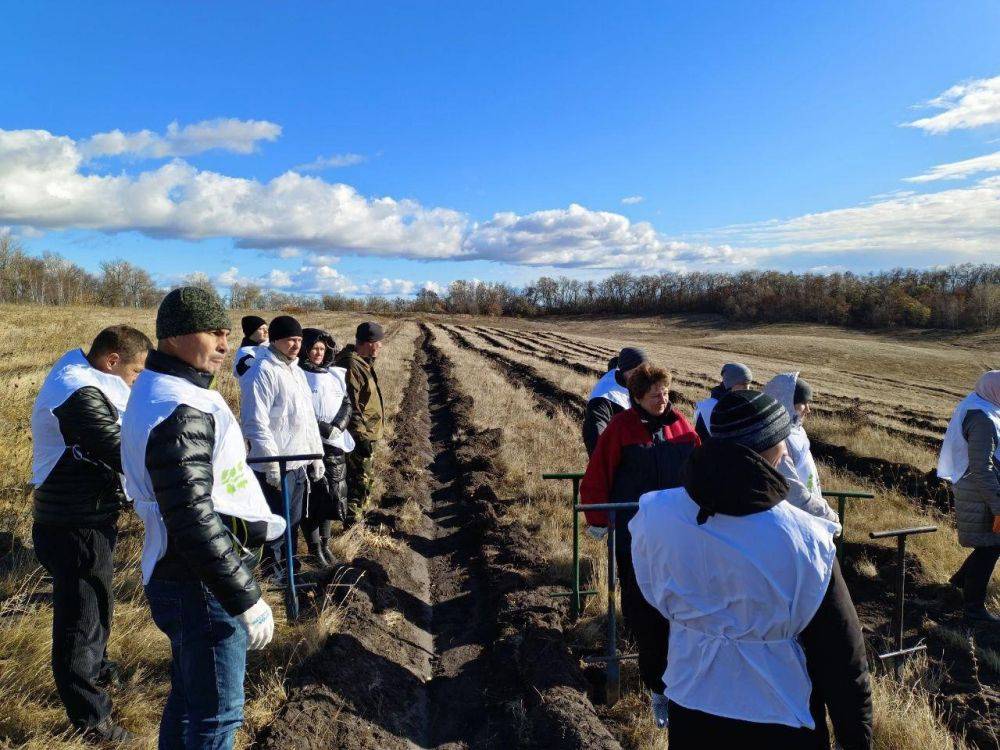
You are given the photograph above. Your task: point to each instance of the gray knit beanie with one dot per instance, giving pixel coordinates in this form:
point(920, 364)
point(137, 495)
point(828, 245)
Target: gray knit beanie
point(190, 309)
point(735, 373)
point(750, 418)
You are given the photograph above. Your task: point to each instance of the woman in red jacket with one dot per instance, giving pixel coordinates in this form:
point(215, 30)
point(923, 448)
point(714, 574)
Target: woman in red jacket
point(641, 450)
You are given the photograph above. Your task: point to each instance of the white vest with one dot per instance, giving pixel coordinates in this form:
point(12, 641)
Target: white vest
point(737, 591)
point(800, 452)
point(954, 459)
point(71, 373)
point(276, 410)
point(235, 490)
point(328, 391)
point(608, 388)
point(703, 409)
point(243, 352)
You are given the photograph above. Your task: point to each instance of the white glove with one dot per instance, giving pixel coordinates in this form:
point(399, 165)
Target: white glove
point(317, 470)
point(273, 478)
point(597, 532)
point(259, 624)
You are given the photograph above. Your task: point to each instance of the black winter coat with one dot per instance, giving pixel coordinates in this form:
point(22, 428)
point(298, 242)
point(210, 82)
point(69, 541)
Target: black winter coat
point(200, 542)
point(84, 491)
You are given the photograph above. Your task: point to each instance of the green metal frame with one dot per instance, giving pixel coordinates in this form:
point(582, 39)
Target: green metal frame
point(576, 596)
point(842, 497)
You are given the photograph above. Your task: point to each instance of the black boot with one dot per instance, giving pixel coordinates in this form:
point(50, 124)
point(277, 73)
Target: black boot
point(325, 546)
point(958, 580)
point(318, 553)
point(108, 733)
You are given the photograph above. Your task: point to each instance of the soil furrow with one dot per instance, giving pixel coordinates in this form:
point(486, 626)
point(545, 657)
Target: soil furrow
point(550, 397)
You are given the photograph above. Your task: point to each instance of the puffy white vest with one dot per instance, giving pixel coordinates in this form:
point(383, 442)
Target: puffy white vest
point(608, 388)
point(801, 454)
point(235, 490)
point(737, 592)
point(954, 459)
point(71, 373)
point(328, 391)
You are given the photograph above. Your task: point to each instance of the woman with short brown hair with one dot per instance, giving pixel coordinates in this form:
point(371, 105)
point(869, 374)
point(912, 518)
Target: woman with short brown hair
point(642, 449)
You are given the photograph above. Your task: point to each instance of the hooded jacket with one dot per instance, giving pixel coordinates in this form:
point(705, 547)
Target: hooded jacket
point(276, 410)
point(608, 397)
point(76, 438)
point(762, 628)
point(782, 388)
point(367, 420)
point(970, 459)
point(637, 453)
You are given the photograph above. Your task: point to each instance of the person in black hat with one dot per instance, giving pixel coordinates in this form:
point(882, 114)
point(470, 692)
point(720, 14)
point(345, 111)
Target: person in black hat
point(254, 335)
point(764, 637)
point(610, 395)
point(367, 418)
point(276, 413)
point(184, 462)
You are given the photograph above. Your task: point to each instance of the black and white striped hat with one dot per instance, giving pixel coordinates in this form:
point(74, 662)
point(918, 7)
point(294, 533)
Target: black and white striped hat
point(750, 418)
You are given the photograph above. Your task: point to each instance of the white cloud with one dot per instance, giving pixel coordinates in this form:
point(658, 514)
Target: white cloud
point(578, 237)
point(390, 287)
point(960, 169)
point(41, 185)
point(335, 161)
point(966, 105)
point(433, 286)
point(956, 224)
point(631, 200)
point(229, 134)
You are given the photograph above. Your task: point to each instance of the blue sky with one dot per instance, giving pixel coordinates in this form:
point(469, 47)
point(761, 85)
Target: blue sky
point(344, 147)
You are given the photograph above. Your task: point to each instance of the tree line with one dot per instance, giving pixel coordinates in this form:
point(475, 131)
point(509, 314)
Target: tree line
point(956, 297)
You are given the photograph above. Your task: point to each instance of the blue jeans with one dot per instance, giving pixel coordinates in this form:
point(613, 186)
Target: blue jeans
point(209, 650)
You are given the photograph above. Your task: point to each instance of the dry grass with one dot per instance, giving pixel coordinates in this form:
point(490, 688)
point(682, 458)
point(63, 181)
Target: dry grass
point(841, 365)
point(534, 444)
point(31, 716)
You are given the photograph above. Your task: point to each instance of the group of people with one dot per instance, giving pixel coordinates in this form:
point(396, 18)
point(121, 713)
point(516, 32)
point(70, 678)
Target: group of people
point(729, 579)
point(730, 584)
point(132, 424)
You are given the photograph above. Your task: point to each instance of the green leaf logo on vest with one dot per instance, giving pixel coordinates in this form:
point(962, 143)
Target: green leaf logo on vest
point(234, 479)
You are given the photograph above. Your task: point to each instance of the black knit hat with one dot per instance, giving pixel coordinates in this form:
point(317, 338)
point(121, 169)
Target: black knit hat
point(631, 357)
point(190, 309)
point(251, 323)
point(283, 327)
point(369, 331)
point(803, 392)
point(750, 418)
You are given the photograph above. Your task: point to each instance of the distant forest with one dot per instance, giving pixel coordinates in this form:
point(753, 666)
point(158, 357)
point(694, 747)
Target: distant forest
point(956, 297)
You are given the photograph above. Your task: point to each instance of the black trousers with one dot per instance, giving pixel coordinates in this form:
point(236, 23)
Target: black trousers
point(643, 621)
point(274, 552)
point(696, 730)
point(81, 563)
point(975, 573)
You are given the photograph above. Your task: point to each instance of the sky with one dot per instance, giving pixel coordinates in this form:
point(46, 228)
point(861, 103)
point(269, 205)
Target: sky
point(359, 148)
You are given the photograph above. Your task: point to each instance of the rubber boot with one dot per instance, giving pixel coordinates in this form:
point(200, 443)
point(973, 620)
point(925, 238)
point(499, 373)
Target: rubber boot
point(319, 554)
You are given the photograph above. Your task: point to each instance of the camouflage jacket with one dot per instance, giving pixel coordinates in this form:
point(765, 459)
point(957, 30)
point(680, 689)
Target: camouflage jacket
point(368, 420)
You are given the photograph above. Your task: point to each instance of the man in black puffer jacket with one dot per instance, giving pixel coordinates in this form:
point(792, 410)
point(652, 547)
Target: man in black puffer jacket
point(185, 467)
point(76, 433)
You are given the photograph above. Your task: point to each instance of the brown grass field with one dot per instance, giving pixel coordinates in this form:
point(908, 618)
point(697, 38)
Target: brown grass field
point(476, 402)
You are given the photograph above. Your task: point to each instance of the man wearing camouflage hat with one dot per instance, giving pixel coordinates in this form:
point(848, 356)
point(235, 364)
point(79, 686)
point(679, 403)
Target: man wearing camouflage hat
point(368, 420)
point(204, 513)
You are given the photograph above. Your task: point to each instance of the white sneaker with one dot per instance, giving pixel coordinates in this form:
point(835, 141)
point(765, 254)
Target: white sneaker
point(659, 706)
